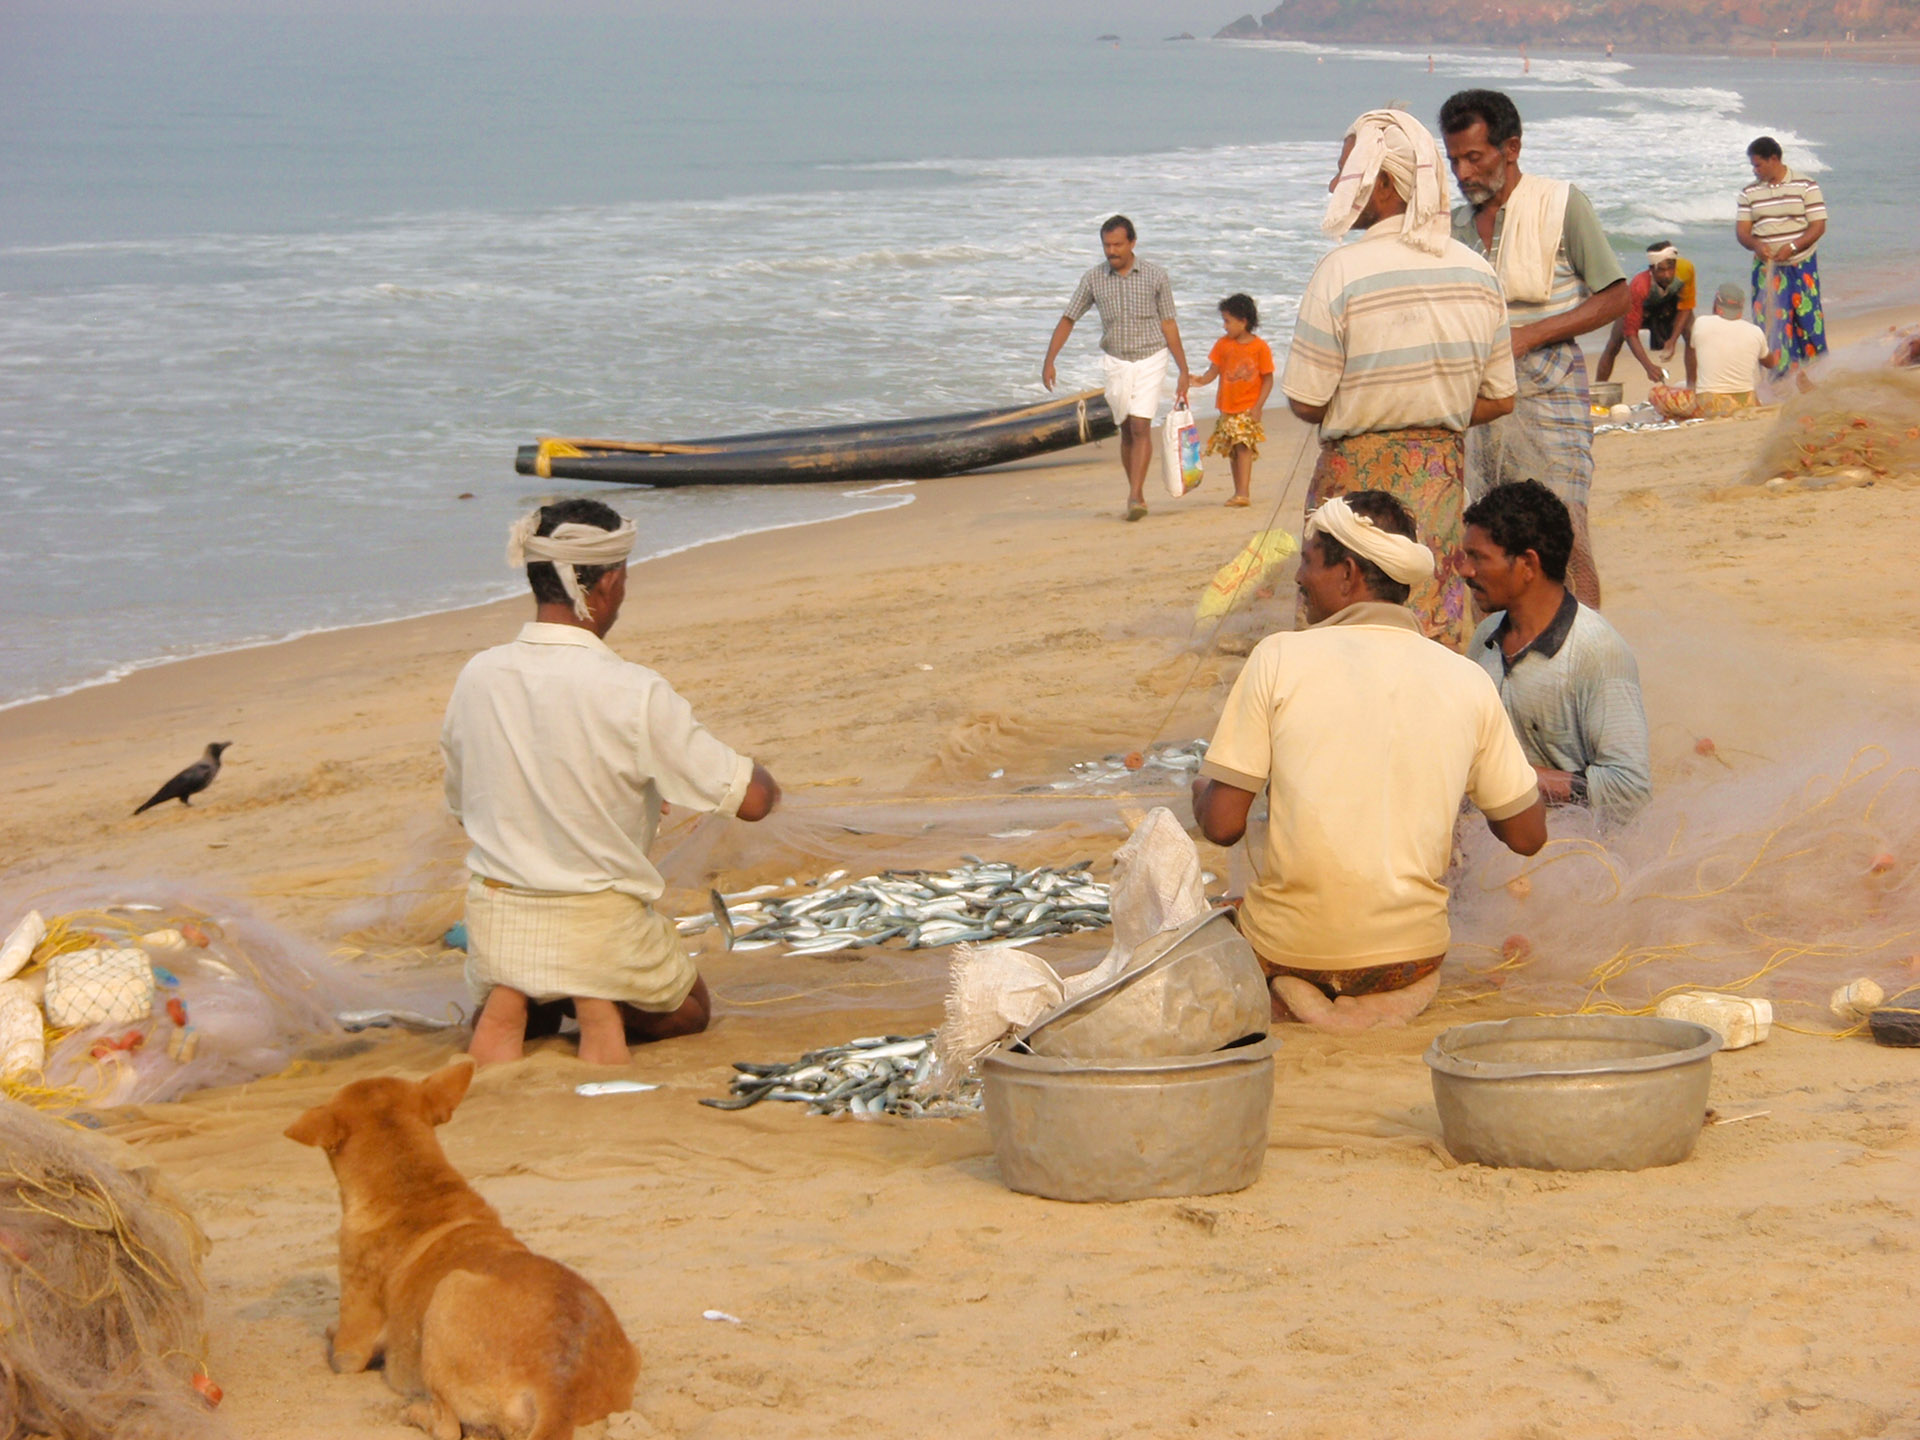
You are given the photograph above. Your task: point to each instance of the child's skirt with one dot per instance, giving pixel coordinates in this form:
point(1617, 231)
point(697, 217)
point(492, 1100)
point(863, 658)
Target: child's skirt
point(1231, 430)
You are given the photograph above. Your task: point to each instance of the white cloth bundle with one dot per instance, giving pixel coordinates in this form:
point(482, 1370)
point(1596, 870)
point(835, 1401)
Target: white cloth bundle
point(1404, 560)
point(1393, 141)
point(23, 1040)
point(19, 945)
point(569, 545)
point(1536, 213)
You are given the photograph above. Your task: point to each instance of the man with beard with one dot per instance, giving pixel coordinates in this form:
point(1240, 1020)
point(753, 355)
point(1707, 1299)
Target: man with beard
point(1561, 280)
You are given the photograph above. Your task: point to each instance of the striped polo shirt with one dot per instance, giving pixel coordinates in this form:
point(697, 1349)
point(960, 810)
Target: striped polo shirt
point(1131, 308)
point(1782, 212)
point(1392, 338)
point(1583, 266)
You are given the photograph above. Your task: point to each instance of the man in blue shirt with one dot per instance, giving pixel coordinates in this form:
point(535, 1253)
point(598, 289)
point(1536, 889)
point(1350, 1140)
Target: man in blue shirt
point(1567, 679)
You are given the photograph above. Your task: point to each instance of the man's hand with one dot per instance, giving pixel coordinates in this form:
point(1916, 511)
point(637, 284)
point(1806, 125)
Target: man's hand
point(1523, 340)
point(1654, 372)
point(1556, 786)
point(1047, 373)
point(763, 794)
point(1181, 386)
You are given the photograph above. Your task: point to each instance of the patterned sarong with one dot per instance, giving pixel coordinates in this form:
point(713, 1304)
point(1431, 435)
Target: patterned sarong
point(1425, 470)
point(1549, 438)
point(605, 945)
point(1786, 304)
point(1231, 430)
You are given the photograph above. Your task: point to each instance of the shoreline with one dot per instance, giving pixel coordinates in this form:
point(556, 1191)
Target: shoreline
point(133, 667)
point(1853, 325)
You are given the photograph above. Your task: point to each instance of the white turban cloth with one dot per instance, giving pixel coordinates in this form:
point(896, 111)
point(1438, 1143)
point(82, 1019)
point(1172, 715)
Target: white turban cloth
point(1403, 560)
point(1393, 141)
point(569, 545)
point(1664, 252)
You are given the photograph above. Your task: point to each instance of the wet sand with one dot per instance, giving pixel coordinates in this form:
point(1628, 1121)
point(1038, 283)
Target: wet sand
point(888, 1283)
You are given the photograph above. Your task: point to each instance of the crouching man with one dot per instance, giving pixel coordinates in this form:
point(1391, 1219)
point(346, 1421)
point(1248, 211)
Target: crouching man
point(1366, 736)
point(1569, 682)
point(559, 756)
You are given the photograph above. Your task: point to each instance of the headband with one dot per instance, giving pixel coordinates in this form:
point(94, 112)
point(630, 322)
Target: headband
point(1405, 561)
point(1665, 252)
point(569, 545)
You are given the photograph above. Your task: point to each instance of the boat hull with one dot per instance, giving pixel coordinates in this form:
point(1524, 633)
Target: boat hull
point(925, 448)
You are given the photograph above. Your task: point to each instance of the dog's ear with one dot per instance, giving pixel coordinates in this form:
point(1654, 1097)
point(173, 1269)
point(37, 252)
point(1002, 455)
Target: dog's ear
point(319, 1127)
point(445, 1088)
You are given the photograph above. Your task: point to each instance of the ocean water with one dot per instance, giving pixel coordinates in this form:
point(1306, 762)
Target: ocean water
point(275, 291)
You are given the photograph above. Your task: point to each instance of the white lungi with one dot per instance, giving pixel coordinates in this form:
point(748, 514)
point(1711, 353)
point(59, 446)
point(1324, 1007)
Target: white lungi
point(1134, 386)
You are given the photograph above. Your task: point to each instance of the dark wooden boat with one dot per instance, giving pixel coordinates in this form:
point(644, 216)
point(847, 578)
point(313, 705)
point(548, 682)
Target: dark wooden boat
point(923, 448)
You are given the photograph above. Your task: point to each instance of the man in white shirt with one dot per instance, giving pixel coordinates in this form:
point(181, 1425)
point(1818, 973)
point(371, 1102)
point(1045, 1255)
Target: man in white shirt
point(559, 758)
point(1733, 351)
point(1366, 736)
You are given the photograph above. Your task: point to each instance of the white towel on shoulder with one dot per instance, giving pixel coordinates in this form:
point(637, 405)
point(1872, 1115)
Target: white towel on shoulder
point(1530, 239)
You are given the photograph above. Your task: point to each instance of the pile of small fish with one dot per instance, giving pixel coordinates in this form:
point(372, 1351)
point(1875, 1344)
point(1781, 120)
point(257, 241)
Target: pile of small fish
point(1153, 764)
point(982, 900)
point(873, 1076)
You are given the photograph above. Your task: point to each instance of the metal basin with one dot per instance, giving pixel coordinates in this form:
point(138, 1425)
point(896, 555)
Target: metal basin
point(1129, 1129)
point(1573, 1092)
point(1606, 393)
point(1189, 992)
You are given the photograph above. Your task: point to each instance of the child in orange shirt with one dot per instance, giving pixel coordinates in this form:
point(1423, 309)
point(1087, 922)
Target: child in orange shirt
point(1242, 363)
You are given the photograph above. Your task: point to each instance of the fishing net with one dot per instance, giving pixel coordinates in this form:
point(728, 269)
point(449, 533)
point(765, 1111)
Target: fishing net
point(232, 998)
point(101, 1300)
point(1858, 424)
point(1781, 881)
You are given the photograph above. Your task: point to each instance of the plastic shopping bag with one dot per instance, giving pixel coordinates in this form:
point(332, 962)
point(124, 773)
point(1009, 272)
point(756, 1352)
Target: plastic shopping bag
point(1180, 452)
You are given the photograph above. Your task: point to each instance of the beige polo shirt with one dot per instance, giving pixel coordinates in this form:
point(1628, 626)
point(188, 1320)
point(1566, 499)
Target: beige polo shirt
point(1366, 736)
point(558, 756)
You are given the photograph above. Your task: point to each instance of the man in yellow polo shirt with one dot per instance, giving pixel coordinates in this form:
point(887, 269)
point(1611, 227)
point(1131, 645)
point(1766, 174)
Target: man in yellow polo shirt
point(1366, 736)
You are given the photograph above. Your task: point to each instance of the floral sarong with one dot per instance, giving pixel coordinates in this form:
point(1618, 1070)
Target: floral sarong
point(1425, 470)
point(1786, 304)
point(1231, 430)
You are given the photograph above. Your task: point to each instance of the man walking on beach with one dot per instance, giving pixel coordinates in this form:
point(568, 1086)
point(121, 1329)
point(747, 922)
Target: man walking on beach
point(1401, 345)
point(1569, 682)
point(1366, 738)
point(1781, 219)
point(1138, 336)
point(1561, 280)
point(559, 758)
point(1660, 301)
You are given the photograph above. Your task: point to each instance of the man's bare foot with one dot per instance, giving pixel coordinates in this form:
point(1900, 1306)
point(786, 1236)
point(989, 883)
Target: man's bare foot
point(500, 1034)
point(603, 1032)
point(1350, 1014)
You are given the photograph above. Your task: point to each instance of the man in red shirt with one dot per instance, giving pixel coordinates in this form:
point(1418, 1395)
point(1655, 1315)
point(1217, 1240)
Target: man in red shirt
point(1660, 301)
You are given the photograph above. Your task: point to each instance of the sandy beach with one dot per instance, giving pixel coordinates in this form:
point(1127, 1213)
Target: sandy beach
point(886, 1283)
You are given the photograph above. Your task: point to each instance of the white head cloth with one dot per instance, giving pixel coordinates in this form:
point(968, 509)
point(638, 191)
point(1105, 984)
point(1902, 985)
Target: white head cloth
point(1393, 141)
point(1664, 252)
point(1404, 560)
point(569, 545)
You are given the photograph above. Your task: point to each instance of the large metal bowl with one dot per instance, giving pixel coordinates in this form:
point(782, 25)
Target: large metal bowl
point(1189, 992)
point(1129, 1129)
point(1573, 1092)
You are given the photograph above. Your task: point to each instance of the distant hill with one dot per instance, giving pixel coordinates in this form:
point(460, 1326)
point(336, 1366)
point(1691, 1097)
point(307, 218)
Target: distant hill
point(1638, 24)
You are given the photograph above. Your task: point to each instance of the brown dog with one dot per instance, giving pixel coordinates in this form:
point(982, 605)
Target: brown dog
point(487, 1333)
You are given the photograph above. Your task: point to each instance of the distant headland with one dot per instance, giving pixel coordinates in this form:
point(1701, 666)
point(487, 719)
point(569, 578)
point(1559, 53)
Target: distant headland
point(1879, 29)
